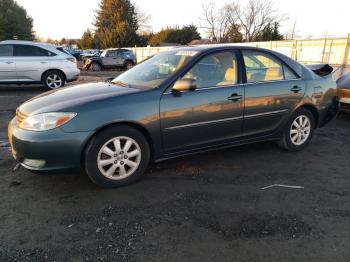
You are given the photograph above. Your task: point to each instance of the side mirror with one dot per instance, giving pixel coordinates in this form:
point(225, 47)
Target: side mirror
point(186, 84)
point(109, 80)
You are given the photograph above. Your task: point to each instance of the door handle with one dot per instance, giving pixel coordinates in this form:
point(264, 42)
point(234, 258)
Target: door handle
point(296, 89)
point(9, 62)
point(43, 62)
point(235, 97)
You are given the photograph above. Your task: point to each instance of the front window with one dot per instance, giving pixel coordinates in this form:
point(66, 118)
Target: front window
point(215, 70)
point(152, 72)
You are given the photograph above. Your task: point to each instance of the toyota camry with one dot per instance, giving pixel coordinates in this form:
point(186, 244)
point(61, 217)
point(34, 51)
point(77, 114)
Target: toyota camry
point(175, 103)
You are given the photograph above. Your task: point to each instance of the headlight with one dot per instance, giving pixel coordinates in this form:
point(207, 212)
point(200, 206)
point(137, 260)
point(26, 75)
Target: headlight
point(46, 121)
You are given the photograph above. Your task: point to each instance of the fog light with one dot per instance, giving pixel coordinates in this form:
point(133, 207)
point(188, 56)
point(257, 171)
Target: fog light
point(34, 162)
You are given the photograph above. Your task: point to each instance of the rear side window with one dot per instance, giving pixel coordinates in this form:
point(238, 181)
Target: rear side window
point(6, 50)
point(29, 50)
point(289, 74)
point(264, 67)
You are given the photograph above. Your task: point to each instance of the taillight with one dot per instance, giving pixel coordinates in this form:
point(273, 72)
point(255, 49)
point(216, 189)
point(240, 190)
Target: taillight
point(72, 59)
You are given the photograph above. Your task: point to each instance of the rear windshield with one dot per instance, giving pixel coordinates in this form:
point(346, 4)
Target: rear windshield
point(62, 50)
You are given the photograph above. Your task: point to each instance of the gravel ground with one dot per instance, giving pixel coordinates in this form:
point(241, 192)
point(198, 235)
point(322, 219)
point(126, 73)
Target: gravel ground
point(200, 208)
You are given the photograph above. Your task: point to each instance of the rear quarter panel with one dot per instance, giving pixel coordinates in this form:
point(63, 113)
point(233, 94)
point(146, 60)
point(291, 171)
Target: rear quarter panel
point(321, 92)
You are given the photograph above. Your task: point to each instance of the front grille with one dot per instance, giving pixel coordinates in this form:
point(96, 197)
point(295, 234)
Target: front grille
point(20, 116)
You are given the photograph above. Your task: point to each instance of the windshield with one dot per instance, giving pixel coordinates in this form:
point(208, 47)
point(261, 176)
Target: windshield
point(152, 72)
point(103, 54)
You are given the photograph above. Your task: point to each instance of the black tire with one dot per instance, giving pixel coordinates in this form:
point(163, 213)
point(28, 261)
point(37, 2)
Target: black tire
point(50, 83)
point(286, 140)
point(128, 65)
point(96, 67)
point(92, 154)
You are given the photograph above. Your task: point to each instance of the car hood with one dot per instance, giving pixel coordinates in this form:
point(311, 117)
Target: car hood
point(61, 99)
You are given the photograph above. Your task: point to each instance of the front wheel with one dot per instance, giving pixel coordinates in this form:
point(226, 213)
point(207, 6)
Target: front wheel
point(299, 130)
point(96, 67)
point(128, 65)
point(117, 156)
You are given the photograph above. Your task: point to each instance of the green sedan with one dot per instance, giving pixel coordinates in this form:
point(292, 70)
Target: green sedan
point(175, 103)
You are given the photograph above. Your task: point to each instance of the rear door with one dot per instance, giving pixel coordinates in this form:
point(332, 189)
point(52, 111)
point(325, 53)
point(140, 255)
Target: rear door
point(210, 114)
point(32, 62)
point(7, 63)
point(272, 91)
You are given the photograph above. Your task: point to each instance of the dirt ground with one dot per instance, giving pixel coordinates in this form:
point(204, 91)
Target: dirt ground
point(208, 207)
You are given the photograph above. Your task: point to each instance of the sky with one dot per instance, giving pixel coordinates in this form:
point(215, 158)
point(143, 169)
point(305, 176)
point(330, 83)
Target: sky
point(70, 18)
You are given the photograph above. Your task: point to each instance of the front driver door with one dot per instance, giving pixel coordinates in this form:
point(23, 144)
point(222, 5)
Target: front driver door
point(111, 58)
point(208, 115)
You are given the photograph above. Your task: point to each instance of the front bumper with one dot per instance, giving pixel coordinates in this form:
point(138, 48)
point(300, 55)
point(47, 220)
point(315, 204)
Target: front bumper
point(58, 150)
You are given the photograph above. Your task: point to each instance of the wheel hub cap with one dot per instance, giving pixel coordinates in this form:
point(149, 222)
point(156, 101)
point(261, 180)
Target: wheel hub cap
point(54, 81)
point(119, 158)
point(300, 130)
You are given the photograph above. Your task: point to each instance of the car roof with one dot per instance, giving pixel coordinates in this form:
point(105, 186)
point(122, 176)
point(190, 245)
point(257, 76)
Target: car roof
point(300, 69)
point(200, 48)
point(113, 49)
point(24, 43)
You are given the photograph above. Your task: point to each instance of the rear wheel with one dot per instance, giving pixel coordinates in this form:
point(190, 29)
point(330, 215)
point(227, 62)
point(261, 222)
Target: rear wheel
point(117, 156)
point(53, 79)
point(299, 130)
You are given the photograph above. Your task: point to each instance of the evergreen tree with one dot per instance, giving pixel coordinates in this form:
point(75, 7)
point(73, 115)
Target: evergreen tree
point(271, 33)
point(116, 24)
point(87, 40)
point(175, 35)
point(233, 35)
point(15, 22)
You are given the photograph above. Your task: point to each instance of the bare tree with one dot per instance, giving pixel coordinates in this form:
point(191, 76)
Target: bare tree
point(216, 21)
point(143, 21)
point(254, 17)
point(249, 20)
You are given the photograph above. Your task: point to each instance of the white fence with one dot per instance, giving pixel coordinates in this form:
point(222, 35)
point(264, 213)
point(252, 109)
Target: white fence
point(334, 51)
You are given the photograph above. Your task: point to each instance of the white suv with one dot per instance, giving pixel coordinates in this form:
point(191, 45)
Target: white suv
point(25, 62)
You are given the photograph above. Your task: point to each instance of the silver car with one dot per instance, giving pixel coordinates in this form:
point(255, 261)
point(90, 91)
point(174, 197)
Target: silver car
point(25, 62)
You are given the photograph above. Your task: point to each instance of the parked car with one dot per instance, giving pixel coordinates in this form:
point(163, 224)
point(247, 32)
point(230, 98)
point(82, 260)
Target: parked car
point(74, 52)
point(343, 84)
point(24, 62)
point(87, 55)
point(175, 103)
point(112, 58)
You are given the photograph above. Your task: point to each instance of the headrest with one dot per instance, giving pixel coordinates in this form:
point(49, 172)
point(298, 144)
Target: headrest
point(230, 75)
point(274, 73)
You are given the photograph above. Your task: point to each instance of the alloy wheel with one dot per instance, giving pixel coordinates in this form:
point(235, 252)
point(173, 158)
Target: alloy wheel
point(54, 81)
point(119, 158)
point(300, 130)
